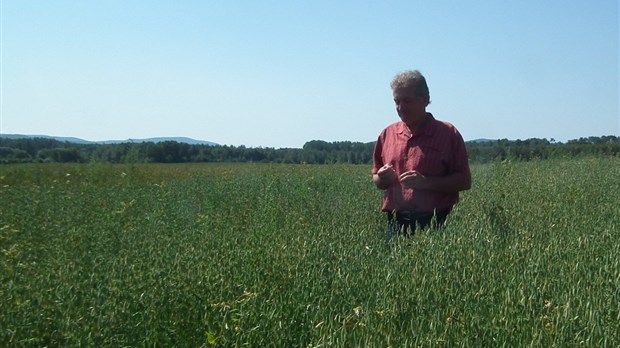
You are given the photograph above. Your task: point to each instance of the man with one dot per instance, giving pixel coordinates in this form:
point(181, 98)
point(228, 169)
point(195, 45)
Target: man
point(420, 162)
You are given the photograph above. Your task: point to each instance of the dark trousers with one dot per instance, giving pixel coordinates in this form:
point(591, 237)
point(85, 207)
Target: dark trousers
point(405, 222)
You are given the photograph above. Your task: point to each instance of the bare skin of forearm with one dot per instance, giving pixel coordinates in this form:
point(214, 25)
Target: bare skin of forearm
point(380, 182)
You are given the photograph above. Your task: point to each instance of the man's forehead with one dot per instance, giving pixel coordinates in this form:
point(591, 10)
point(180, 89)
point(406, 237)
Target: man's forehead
point(404, 91)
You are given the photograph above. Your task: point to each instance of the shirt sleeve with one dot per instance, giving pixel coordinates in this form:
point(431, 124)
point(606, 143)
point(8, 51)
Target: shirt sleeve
point(377, 157)
point(461, 161)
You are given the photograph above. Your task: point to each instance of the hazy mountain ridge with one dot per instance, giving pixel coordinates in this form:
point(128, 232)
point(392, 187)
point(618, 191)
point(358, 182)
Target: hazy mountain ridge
point(74, 140)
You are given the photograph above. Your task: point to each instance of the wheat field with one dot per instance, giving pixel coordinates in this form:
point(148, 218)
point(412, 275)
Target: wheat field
point(264, 255)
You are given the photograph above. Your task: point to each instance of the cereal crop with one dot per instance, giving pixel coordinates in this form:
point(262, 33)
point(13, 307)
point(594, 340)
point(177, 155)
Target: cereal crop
point(260, 255)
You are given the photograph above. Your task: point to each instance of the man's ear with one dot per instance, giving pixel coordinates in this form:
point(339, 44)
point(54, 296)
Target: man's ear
point(427, 100)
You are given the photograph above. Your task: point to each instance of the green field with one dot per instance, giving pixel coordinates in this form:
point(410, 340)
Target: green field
point(295, 256)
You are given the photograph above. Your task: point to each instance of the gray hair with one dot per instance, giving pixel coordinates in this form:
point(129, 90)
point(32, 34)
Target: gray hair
point(414, 79)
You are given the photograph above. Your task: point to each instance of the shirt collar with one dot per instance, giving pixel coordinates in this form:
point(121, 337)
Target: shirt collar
point(426, 127)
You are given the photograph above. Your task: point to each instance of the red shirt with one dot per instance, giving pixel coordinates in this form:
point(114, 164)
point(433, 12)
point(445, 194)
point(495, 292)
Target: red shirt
point(436, 150)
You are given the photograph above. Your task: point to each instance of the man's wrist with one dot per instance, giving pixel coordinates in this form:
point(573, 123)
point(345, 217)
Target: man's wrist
point(388, 181)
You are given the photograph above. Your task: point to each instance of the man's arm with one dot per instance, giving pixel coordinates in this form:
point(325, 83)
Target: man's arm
point(381, 183)
point(385, 177)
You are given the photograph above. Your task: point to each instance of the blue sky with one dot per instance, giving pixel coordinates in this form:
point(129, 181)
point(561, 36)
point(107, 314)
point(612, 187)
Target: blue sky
point(278, 74)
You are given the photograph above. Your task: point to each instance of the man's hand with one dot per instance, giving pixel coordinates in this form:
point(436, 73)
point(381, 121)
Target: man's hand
point(454, 182)
point(413, 180)
point(385, 177)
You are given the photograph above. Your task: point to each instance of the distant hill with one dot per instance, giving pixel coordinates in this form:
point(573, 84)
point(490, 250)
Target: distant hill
point(82, 141)
point(480, 141)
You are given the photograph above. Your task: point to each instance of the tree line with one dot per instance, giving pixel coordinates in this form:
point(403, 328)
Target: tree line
point(41, 150)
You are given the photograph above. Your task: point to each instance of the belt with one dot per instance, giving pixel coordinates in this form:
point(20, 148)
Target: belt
point(405, 215)
point(412, 215)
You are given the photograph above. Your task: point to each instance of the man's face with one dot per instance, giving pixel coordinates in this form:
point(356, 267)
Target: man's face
point(410, 107)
